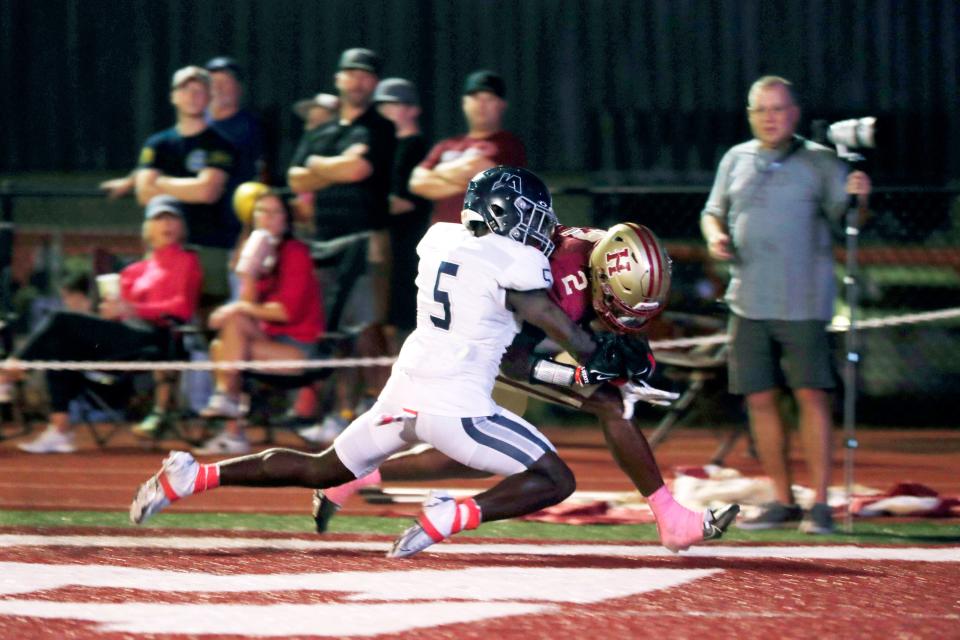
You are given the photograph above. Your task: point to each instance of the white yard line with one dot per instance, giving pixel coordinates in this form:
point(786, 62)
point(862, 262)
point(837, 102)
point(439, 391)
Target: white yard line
point(811, 552)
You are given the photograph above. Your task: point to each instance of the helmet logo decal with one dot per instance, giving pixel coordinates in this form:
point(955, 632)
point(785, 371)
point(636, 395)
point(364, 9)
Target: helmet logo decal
point(508, 181)
point(614, 263)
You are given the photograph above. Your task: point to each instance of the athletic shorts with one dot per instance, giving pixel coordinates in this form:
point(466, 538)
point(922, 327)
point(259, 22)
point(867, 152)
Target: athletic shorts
point(766, 354)
point(501, 444)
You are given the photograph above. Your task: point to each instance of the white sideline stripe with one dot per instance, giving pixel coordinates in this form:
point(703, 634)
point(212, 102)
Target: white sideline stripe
point(812, 552)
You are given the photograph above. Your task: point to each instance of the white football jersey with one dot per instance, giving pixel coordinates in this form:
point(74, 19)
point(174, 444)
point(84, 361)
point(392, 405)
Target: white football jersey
point(449, 363)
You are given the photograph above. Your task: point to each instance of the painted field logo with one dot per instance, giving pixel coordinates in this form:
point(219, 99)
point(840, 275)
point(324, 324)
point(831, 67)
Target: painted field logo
point(373, 602)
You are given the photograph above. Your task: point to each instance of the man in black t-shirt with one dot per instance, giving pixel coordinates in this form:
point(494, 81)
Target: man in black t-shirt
point(346, 164)
point(193, 162)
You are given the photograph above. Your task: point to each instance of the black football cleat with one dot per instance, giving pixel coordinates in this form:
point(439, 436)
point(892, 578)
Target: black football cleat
point(323, 510)
point(719, 520)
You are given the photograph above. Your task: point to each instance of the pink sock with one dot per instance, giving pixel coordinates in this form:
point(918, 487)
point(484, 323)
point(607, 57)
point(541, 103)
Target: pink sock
point(339, 495)
point(678, 526)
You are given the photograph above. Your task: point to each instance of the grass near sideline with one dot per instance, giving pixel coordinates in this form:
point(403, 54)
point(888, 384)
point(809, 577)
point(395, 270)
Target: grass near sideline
point(865, 533)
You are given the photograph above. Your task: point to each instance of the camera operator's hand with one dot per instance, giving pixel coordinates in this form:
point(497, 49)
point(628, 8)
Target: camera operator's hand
point(858, 184)
point(718, 240)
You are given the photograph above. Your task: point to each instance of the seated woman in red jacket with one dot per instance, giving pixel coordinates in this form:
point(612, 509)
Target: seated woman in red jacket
point(163, 286)
point(279, 315)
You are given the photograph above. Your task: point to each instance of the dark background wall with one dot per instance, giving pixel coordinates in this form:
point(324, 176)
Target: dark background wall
point(632, 91)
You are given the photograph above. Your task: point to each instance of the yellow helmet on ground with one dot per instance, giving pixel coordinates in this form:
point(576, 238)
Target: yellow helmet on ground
point(630, 277)
point(245, 197)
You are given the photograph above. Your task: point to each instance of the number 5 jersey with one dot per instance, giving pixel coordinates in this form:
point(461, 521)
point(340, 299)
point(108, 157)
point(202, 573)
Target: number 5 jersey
point(449, 363)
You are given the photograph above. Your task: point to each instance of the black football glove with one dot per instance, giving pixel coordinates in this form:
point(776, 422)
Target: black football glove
point(606, 363)
point(638, 358)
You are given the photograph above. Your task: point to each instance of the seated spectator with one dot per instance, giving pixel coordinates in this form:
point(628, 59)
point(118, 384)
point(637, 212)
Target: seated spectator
point(163, 286)
point(75, 293)
point(279, 315)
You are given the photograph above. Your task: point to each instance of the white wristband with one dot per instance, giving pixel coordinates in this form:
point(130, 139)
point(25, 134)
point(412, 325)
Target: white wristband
point(552, 372)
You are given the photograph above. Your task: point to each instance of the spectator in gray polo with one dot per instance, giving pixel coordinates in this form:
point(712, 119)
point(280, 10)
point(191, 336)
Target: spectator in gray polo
point(769, 215)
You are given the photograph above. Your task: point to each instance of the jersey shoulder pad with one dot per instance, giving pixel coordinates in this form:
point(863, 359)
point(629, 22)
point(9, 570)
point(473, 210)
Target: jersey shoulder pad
point(442, 236)
point(521, 268)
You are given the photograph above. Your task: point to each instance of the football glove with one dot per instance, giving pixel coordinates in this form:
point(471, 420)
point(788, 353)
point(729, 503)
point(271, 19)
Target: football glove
point(606, 363)
point(634, 392)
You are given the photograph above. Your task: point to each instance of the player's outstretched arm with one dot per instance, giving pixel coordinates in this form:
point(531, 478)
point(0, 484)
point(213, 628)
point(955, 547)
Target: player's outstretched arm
point(539, 310)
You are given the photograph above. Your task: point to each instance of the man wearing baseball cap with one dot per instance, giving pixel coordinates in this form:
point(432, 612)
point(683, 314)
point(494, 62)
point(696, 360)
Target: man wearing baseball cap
point(238, 124)
point(397, 100)
point(444, 174)
point(346, 164)
point(193, 162)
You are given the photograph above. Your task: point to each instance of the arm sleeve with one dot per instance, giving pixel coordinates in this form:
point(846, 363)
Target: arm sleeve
point(149, 153)
point(718, 202)
point(302, 151)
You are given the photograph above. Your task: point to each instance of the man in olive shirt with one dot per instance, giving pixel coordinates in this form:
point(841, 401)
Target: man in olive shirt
point(769, 215)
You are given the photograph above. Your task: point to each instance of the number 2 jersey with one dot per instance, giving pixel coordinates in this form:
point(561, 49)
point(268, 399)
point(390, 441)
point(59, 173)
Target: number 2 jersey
point(449, 363)
point(570, 265)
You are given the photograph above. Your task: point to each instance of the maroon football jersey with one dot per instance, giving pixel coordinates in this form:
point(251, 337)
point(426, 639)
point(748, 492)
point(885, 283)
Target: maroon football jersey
point(570, 264)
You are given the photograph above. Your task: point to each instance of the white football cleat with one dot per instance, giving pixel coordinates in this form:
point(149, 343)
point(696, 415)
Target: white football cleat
point(441, 518)
point(176, 479)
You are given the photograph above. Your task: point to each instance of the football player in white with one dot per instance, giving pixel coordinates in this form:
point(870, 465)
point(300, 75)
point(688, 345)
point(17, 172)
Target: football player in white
point(612, 281)
point(475, 283)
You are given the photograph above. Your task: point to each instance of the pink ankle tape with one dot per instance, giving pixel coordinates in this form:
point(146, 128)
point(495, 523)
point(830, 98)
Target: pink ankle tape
point(661, 499)
point(207, 478)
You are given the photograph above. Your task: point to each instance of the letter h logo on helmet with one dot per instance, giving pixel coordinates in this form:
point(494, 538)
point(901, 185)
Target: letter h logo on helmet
point(618, 261)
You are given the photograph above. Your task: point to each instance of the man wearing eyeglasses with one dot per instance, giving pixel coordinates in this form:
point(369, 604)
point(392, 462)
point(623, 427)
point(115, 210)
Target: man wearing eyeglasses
point(769, 215)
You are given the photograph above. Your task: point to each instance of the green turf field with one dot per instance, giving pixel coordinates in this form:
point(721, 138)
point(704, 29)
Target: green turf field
point(925, 532)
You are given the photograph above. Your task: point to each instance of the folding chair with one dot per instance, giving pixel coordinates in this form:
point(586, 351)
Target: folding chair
point(702, 370)
point(106, 400)
point(260, 388)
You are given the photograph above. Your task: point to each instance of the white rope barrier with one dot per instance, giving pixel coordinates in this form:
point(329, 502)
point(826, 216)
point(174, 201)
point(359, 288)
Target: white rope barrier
point(337, 363)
